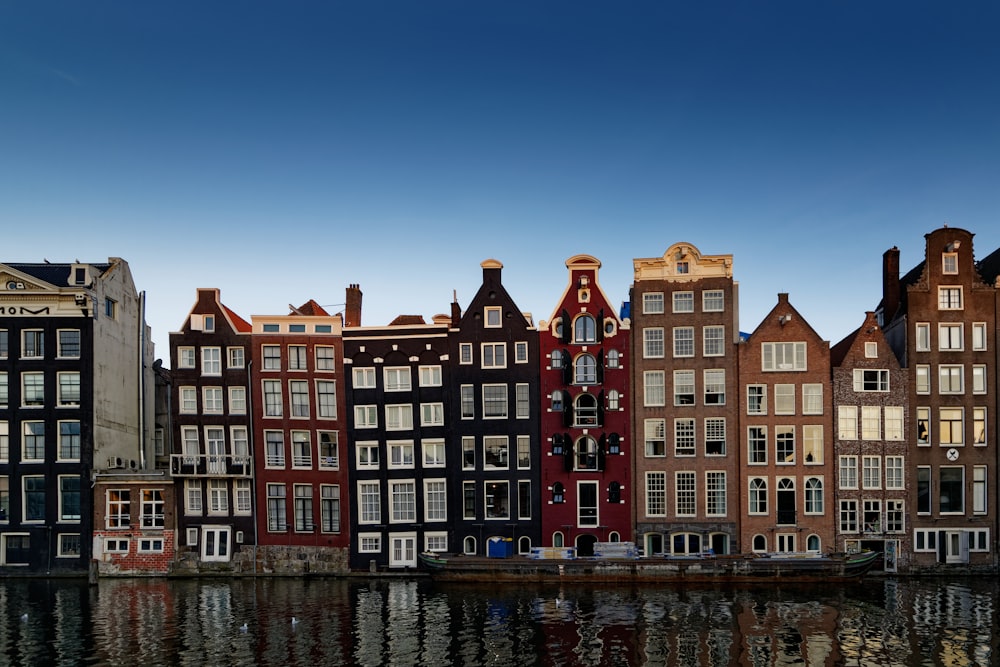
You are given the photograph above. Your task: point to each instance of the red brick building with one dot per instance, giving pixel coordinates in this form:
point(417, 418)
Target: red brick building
point(299, 438)
point(685, 324)
point(871, 402)
point(941, 319)
point(787, 474)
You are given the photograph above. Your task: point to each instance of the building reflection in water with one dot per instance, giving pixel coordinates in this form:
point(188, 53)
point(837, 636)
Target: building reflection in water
point(405, 622)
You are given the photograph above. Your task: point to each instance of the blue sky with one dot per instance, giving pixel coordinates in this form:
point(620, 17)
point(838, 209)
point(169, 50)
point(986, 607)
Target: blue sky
point(281, 151)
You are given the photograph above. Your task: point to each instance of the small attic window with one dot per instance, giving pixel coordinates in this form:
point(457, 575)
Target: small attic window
point(79, 275)
point(271, 328)
point(296, 328)
point(949, 263)
point(209, 323)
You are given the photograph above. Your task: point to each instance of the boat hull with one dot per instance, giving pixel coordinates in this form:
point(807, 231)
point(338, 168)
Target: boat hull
point(650, 570)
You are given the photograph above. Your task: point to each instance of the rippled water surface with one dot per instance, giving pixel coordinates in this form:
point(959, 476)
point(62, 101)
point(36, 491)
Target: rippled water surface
point(416, 622)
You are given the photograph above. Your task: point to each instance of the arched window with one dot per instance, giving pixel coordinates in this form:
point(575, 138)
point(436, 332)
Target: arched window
point(814, 495)
point(614, 536)
point(558, 493)
point(585, 370)
point(586, 453)
point(557, 401)
point(557, 539)
point(584, 329)
point(557, 444)
point(614, 444)
point(686, 543)
point(614, 493)
point(469, 545)
point(613, 359)
point(812, 543)
point(758, 496)
point(613, 399)
point(557, 359)
point(524, 545)
point(759, 543)
point(585, 410)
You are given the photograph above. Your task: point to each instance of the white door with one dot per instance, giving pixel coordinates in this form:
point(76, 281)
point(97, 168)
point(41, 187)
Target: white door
point(786, 541)
point(403, 550)
point(956, 546)
point(215, 544)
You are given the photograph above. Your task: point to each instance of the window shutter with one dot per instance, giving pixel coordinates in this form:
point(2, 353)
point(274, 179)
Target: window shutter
point(600, 326)
point(601, 451)
point(567, 410)
point(600, 409)
point(600, 367)
point(568, 457)
point(567, 368)
point(567, 326)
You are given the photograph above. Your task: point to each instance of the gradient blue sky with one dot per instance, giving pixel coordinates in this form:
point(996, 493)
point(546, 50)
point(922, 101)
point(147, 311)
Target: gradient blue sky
point(282, 150)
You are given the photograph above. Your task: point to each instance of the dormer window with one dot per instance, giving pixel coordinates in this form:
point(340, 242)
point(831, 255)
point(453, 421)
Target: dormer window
point(682, 267)
point(949, 263)
point(79, 275)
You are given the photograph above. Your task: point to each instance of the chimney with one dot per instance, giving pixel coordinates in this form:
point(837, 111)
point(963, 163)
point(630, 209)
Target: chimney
point(456, 310)
point(352, 309)
point(890, 283)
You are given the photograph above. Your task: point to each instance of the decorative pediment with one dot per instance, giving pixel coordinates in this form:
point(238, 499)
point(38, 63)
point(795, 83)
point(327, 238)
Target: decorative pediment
point(15, 281)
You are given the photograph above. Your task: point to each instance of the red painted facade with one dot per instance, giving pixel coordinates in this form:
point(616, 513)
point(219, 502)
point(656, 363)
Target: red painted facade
point(586, 440)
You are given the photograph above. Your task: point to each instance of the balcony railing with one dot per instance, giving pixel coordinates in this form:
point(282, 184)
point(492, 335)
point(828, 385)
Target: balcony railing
point(211, 465)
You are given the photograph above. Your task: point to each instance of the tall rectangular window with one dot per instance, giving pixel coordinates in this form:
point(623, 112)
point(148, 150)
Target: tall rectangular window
point(656, 493)
point(32, 390)
point(494, 355)
point(812, 399)
point(324, 358)
point(277, 510)
point(714, 341)
point(32, 344)
point(298, 391)
point(683, 387)
point(652, 342)
point(922, 378)
point(848, 516)
point(303, 507)
point(69, 497)
point(686, 499)
point(523, 404)
point(237, 357)
point(297, 358)
point(979, 336)
point(923, 489)
point(69, 343)
point(715, 436)
point(756, 399)
point(784, 399)
point(923, 336)
point(151, 508)
point(237, 400)
point(431, 414)
point(871, 422)
point(653, 389)
point(847, 422)
point(951, 486)
point(435, 500)
point(468, 500)
point(713, 301)
point(979, 490)
point(715, 493)
point(684, 439)
point(369, 503)
point(894, 472)
point(656, 440)
point(468, 398)
point(715, 387)
point(849, 472)
point(683, 341)
point(871, 472)
point(329, 507)
point(272, 398)
point(950, 337)
point(326, 399)
point(683, 302)
point(274, 442)
point(951, 427)
point(69, 441)
point(757, 444)
point(33, 441)
point(494, 401)
point(893, 422)
point(979, 426)
point(784, 443)
point(923, 426)
point(272, 357)
point(211, 361)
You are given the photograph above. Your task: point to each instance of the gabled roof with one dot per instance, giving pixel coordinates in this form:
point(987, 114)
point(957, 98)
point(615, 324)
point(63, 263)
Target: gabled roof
point(407, 320)
point(239, 324)
point(310, 307)
point(989, 267)
point(54, 274)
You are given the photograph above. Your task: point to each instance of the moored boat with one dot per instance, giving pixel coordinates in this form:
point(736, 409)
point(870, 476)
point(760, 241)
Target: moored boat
point(787, 567)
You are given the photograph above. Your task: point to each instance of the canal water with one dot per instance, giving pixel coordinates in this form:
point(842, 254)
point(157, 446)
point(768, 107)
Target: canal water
point(417, 622)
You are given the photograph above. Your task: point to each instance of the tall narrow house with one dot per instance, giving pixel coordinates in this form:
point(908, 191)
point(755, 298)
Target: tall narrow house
point(941, 319)
point(685, 325)
point(298, 433)
point(586, 476)
point(212, 463)
point(75, 404)
point(494, 434)
point(787, 472)
point(398, 425)
point(870, 400)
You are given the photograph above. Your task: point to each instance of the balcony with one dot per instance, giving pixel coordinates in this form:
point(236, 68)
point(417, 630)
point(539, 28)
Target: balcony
point(211, 465)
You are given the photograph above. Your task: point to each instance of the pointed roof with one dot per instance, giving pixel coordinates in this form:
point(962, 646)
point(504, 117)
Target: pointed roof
point(310, 307)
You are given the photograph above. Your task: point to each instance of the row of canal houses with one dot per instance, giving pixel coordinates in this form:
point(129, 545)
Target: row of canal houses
point(309, 443)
